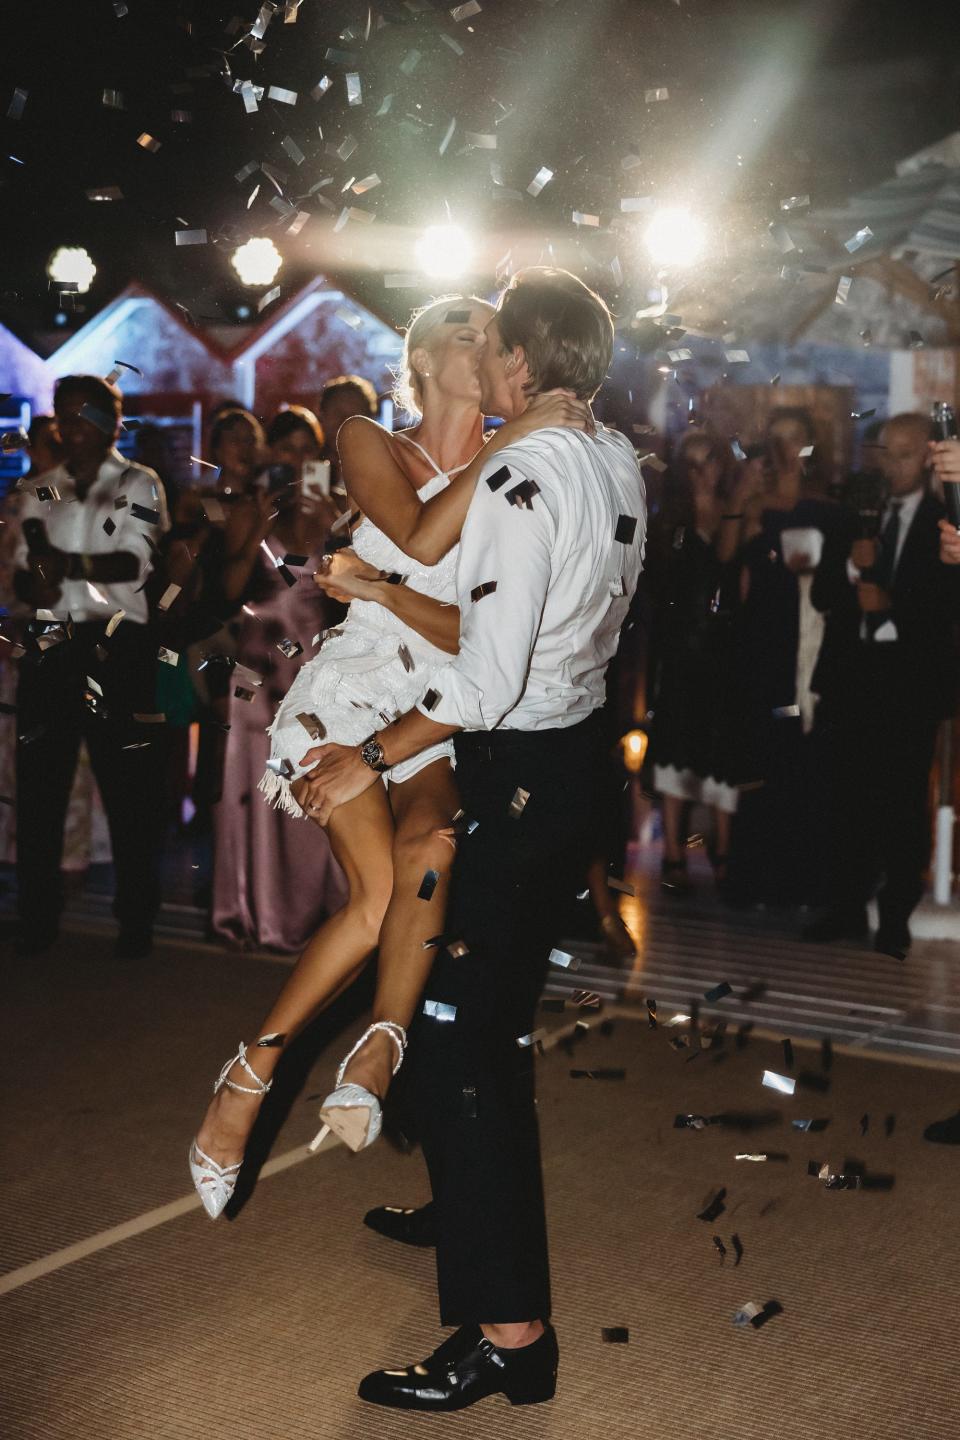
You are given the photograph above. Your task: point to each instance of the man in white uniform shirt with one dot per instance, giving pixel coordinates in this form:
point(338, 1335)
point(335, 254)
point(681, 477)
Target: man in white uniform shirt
point(89, 528)
point(549, 557)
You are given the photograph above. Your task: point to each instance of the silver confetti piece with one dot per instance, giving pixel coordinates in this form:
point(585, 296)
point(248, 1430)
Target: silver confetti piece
point(542, 178)
point(313, 726)
point(354, 88)
point(168, 657)
point(564, 960)
point(786, 1084)
point(285, 97)
point(17, 103)
point(437, 1010)
point(747, 1313)
point(463, 12)
point(190, 237)
point(856, 242)
point(843, 289)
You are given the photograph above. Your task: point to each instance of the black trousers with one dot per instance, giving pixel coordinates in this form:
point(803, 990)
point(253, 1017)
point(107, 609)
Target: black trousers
point(473, 1085)
point(52, 719)
point(882, 741)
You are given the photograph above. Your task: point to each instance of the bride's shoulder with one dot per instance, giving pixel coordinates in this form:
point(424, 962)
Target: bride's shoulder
point(361, 430)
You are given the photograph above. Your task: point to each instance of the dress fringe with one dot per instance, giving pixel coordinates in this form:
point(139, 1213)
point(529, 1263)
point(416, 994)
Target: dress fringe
point(277, 792)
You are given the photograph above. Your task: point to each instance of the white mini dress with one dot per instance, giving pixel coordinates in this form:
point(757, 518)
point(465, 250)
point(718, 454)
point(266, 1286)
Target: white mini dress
point(368, 671)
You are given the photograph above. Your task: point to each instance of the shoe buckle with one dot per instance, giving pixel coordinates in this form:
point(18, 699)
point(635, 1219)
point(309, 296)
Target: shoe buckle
point(490, 1352)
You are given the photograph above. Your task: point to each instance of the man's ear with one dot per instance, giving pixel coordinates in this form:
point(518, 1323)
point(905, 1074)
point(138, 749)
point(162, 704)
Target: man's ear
point(516, 361)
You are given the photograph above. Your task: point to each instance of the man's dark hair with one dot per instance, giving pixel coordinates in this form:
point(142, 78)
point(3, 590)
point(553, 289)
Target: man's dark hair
point(564, 329)
point(354, 384)
point(95, 392)
point(38, 423)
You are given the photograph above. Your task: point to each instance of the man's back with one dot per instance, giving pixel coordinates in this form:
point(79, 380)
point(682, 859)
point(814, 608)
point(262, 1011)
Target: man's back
point(561, 516)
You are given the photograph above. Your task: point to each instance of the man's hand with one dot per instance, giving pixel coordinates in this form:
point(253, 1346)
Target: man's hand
point(547, 410)
point(338, 775)
point(945, 458)
point(863, 553)
point(872, 600)
point(949, 543)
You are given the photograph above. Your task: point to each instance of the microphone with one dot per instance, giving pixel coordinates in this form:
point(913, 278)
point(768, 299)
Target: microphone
point(945, 425)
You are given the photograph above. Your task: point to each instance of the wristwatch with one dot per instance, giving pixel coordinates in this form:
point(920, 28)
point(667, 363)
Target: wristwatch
point(371, 753)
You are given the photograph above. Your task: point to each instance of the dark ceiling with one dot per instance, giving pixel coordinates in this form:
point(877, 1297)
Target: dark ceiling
point(766, 98)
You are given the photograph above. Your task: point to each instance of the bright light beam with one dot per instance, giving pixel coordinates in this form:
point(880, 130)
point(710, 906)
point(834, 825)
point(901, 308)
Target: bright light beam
point(444, 252)
point(675, 238)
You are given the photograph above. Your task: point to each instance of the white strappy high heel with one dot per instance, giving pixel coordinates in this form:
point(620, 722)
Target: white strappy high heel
point(350, 1111)
point(215, 1183)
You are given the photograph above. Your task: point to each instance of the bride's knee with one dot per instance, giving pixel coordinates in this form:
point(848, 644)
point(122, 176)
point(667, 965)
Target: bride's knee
point(421, 848)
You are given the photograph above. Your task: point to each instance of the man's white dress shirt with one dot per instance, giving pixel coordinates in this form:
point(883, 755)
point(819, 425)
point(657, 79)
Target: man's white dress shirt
point(550, 555)
point(124, 509)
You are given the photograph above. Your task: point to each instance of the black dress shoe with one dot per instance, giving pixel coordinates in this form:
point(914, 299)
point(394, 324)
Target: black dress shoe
point(526, 1377)
point(944, 1132)
point(893, 940)
point(410, 1227)
point(837, 925)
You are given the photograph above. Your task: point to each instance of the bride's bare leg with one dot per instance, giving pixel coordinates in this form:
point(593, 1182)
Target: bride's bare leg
point(422, 807)
point(361, 837)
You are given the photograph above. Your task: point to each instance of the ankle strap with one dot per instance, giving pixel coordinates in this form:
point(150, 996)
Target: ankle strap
point(259, 1087)
point(397, 1034)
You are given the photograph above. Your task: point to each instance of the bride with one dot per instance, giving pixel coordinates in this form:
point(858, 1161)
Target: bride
point(408, 495)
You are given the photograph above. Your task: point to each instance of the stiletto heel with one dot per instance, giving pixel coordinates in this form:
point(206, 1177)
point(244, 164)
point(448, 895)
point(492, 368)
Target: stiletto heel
point(350, 1111)
point(216, 1183)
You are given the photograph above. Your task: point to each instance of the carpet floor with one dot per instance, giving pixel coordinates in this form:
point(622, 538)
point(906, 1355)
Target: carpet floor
point(259, 1327)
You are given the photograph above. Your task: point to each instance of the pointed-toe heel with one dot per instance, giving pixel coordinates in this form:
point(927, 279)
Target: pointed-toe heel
point(352, 1112)
point(216, 1183)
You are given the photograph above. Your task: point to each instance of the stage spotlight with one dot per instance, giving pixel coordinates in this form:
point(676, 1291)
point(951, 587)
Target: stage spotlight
point(257, 262)
point(71, 265)
point(674, 237)
point(444, 252)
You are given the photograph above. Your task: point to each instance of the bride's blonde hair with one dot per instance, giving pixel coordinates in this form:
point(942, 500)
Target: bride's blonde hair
point(408, 390)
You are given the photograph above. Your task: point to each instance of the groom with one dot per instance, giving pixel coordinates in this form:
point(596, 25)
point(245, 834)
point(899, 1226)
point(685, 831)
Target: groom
point(549, 557)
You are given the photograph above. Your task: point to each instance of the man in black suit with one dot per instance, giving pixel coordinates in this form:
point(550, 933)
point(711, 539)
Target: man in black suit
point(885, 676)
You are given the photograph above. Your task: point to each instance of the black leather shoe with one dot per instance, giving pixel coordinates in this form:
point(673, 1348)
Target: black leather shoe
point(526, 1377)
point(837, 925)
point(944, 1132)
point(893, 940)
point(410, 1227)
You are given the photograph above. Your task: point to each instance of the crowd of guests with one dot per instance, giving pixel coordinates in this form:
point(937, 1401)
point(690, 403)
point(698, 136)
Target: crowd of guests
point(802, 658)
point(799, 659)
point(140, 613)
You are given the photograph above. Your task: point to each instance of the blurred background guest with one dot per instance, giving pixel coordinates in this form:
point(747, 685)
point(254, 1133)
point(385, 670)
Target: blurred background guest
point(887, 677)
point(777, 841)
point(340, 398)
point(217, 529)
point(89, 674)
point(273, 885)
point(695, 737)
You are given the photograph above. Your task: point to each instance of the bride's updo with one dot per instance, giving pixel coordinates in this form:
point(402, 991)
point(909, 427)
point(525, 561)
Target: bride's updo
point(408, 391)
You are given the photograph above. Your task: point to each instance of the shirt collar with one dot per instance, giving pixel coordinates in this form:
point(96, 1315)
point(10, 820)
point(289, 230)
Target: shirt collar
point(909, 505)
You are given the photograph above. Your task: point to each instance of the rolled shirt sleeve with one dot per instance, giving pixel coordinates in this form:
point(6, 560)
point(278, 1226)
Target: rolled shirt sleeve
point(503, 574)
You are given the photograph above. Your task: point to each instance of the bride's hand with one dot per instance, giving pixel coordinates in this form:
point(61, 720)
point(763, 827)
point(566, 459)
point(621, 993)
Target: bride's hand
point(345, 577)
point(550, 409)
